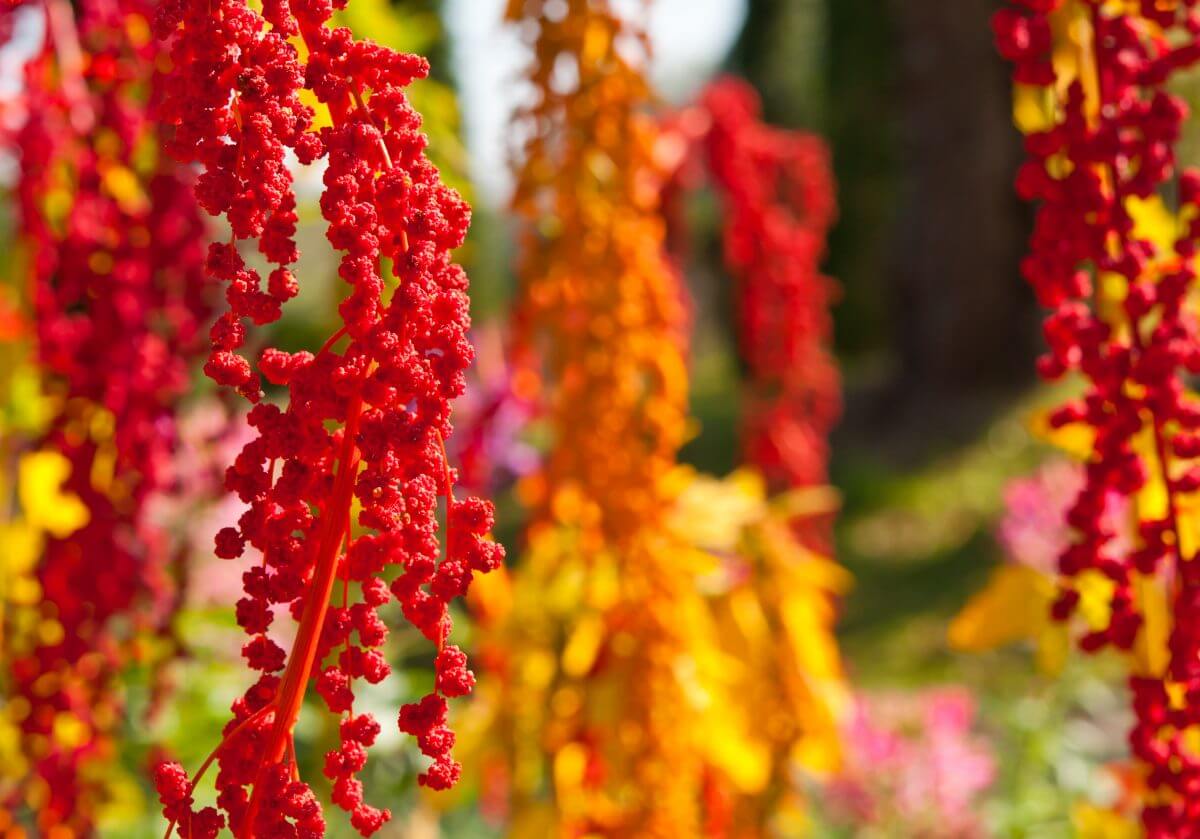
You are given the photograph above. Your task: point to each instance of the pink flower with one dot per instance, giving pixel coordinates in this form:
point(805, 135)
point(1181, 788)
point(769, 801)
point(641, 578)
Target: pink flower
point(914, 765)
point(1034, 529)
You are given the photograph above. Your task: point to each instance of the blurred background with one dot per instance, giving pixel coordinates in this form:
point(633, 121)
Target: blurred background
point(942, 481)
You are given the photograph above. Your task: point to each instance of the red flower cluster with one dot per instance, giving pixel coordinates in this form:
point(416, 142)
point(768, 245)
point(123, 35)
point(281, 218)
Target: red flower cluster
point(777, 191)
point(1110, 147)
point(1023, 37)
point(119, 296)
point(234, 99)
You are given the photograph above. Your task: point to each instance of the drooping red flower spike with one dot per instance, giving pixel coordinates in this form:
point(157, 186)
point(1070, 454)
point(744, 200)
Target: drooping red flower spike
point(115, 276)
point(778, 201)
point(362, 425)
point(1101, 130)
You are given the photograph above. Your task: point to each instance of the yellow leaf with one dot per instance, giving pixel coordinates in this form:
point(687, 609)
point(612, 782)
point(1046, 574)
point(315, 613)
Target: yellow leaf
point(1112, 289)
point(1072, 52)
point(1092, 822)
point(1189, 524)
point(24, 591)
point(820, 572)
point(746, 609)
point(820, 751)
point(1076, 439)
point(1053, 647)
point(69, 731)
point(807, 620)
point(745, 761)
point(580, 652)
point(538, 668)
point(1095, 598)
point(1152, 497)
point(740, 499)
point(1014, 606)
point(1150, 651)
point(46, 506)
point(1033, 110)
point(20, 545)
point(56, 204)
point(805, 502)
point(50, 632)
point(1153, 221)
point(570, 764)
point(123, 185)
point(603, 583)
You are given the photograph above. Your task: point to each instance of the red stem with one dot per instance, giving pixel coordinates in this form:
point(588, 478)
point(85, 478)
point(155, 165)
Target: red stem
point(225, 741)
point(449, 506)
point(304, 649)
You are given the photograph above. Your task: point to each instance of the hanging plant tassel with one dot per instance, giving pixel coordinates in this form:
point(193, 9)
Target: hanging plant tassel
point(366, 415)
point(1116, 266)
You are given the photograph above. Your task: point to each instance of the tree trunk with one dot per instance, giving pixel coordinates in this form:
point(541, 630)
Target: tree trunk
point(963, 317)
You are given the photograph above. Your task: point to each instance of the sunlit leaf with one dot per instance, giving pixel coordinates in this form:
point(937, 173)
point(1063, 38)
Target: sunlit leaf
point(45, 504)
point(1014, 606)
